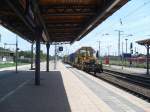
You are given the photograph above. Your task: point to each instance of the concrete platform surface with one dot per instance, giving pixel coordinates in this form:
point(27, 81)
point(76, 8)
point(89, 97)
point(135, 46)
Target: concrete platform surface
point(65, 89)
point(129, 70)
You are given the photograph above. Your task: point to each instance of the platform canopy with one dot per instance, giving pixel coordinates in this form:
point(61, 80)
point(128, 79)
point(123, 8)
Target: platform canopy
point(59, 20)
point(144, 42)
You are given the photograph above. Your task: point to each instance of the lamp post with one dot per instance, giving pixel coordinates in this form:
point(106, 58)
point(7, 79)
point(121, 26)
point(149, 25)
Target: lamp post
point(122, 54)
point(126, 44)
point(16, 58)
point(119, 35)
point(108, 48)
point(17, 54)
point(127, 35)
point(0, 42)
point(99, 43)
point(0, 38)
point(32, 55)
point(126, 40)
point(147, 60)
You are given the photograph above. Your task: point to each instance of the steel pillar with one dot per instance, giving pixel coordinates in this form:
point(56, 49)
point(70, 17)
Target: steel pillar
point(147, 60)
point(31, 56)
point(37, 58)
point(119, 43)
point(47, 62)
point(17, 54)
point(55, 59)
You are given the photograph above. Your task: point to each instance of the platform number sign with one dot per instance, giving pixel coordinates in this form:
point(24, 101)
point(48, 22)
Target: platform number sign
point(60, 48)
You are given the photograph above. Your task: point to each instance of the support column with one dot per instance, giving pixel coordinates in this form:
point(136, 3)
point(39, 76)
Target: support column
point(47, 63)
point(55, 58)
point(32, 56)
point(37, 58)
point(148, 59)
point(16, 54)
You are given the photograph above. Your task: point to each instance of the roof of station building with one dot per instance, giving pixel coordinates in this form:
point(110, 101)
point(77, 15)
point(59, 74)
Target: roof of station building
point(60, 20)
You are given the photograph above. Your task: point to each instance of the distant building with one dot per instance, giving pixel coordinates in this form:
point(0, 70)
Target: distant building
point(6, 55)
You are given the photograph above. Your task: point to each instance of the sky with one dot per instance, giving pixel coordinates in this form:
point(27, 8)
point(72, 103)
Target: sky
point(135, 20)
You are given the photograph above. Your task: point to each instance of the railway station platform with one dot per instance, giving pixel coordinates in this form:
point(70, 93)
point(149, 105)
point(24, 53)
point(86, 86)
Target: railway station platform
point(128, 70)
point(64, 89)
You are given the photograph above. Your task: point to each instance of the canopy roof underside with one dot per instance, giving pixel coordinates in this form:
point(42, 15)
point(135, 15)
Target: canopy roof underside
point(144, 42)
point(60, 20)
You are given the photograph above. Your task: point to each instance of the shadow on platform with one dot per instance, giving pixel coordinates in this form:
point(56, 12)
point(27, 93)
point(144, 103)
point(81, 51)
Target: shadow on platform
point(50, 96)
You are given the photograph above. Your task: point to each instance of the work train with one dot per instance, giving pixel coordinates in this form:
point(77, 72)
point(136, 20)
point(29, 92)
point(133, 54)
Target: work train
point(85, 60)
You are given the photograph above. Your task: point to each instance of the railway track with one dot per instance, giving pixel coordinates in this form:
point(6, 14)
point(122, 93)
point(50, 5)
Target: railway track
point(139, 86)
point(137, 80)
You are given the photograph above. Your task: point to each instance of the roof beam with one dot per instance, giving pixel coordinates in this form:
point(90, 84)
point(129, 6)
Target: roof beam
point(70, 14)
point(20, 14)
point(61, 29)
point(61, 39)
point(47, 38)
point(69, 11)
point(63, 36)
point(93, 22)
point(66, 24)
point(63, 22)
point(18, 33)
point(50, 12)
point(64, 27)
point(85, 7)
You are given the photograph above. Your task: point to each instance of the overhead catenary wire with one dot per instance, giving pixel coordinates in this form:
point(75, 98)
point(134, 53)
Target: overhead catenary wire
point(121, 19)
point(136, 10)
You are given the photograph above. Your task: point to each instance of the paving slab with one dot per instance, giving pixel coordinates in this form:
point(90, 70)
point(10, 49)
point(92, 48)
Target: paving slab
point(115, 98)
point(63, 90)
point(26, 97)
point(60, 91)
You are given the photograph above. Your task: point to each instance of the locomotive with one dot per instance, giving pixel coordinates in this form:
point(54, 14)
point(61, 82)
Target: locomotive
point(85, 60)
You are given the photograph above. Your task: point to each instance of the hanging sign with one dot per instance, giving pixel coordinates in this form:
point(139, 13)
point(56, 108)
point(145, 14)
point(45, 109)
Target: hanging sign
point(60, 48)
